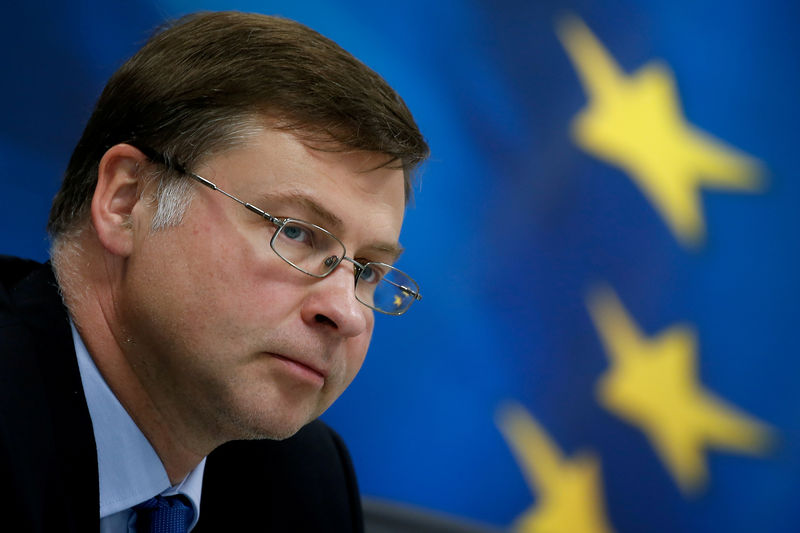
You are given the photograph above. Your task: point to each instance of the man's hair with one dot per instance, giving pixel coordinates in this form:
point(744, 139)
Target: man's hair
point(210, 81)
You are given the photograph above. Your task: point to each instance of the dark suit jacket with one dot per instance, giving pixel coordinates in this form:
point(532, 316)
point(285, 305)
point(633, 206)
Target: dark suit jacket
point(48, 459)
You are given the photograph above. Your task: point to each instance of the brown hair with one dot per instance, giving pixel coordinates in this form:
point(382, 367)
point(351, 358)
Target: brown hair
point(199, 85)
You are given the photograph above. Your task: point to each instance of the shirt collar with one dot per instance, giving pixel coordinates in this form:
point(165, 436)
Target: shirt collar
point(129, 469)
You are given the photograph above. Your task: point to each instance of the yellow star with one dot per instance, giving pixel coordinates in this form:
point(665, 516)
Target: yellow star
point(635, 122)
point(652, 384)
point(397, 301)
point(569, 492)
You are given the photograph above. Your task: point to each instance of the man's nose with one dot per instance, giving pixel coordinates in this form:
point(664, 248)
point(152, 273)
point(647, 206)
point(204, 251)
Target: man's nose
point(331, 302)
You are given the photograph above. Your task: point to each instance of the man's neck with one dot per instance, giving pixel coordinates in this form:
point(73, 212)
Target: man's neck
point(98, 324)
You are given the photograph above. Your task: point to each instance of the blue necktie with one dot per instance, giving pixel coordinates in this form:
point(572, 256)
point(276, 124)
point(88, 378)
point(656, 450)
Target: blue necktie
point(164, 514)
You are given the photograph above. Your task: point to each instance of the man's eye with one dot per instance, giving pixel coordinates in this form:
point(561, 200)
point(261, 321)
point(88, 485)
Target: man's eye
point(371, 274)
point(297, 234)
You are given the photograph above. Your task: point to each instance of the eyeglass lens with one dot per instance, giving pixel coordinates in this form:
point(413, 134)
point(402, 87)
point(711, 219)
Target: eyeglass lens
point(307, 247)
point(385, 288)
point(317, 252)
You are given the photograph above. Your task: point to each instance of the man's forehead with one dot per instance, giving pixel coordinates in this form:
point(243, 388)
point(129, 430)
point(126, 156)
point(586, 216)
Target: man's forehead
point(343, 190)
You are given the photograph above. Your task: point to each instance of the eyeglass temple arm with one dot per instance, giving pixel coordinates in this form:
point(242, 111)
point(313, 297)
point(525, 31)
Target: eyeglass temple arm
point(174, 165)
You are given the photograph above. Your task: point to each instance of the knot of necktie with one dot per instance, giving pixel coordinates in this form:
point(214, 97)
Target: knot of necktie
point(164, 514)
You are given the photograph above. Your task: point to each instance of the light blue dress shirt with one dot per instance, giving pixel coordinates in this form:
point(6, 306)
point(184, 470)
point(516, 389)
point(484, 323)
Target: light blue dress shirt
point(130, 471)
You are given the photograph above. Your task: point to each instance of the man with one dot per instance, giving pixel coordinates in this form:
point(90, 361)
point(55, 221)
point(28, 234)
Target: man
point(223, 236)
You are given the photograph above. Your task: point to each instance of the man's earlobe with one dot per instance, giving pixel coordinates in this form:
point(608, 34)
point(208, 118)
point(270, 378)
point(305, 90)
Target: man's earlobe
point(118, 190)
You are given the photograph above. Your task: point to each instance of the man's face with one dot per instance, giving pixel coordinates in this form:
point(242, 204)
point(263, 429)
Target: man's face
point(221, 332)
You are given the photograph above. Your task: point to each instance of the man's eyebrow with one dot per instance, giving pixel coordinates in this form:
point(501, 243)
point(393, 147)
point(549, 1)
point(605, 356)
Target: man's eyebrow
point(381, 248)
point(327, 219)
point(330, 221)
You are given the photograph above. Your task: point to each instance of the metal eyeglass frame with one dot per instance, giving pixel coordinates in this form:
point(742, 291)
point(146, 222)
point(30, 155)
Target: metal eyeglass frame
point(415, 295)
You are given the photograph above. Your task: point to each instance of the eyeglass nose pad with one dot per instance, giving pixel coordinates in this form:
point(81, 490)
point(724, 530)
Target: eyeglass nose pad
point(330, 261)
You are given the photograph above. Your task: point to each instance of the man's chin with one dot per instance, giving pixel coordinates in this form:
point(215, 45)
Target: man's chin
point(271, 426)
point(272, 433)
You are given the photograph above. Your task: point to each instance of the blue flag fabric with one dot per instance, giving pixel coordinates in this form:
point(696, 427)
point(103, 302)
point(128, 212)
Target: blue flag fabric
point(606, 240)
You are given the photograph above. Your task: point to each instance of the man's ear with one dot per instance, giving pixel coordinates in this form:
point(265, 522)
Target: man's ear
point(118, 190)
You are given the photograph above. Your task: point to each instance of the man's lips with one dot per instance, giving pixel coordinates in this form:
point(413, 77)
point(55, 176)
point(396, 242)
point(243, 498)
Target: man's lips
point(302, 369)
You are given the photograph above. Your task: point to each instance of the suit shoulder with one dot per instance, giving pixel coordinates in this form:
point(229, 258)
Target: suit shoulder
point(13, 269)
point(14, 273)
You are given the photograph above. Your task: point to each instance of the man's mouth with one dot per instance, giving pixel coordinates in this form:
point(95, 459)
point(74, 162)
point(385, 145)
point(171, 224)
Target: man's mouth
point(301, 370)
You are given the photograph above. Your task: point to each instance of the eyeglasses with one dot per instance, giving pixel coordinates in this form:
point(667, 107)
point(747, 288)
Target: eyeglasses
point(315, 251)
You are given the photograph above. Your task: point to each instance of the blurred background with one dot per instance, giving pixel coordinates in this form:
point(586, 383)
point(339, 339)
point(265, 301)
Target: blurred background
point(606, 237)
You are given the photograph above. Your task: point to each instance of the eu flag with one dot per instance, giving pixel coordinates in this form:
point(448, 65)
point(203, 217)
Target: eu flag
point(605, 237)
